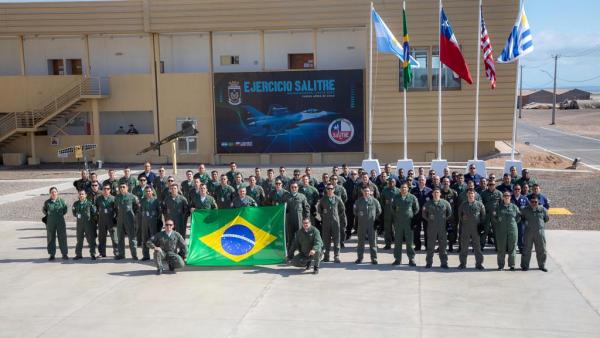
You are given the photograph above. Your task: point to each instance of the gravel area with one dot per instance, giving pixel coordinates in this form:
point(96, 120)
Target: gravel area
point(574, 191)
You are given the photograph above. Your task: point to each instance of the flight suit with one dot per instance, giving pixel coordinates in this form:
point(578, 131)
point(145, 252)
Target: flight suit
point(470, 216)
point(312, 197)
point(186, 187)
point(81, 184)
point(278, 197)
point(257, 193)
point(387, 198)
point(139, 192)
point(506, 217)
point(437, 214)
point(237, 187)
point(243, 202)
point(224, 195)
point(304, 242)
point(212, 186)
point(490, 200)
point(419, 223)
point(365, 212)
point(404, 209)
point(196, 202)
point(130, 181)
point(268, 186)
point(535, 224)
point(127, 206)
point(168, 254)
point(55, 211)
point(150, 215)
point(452, 197)
point(159, 184)
point(85, 211)
point(114, 186)
point(231, 177)
point(333, 218)
point(107, 213)
point(177, 209)
point(297, 209)
point(204, 178)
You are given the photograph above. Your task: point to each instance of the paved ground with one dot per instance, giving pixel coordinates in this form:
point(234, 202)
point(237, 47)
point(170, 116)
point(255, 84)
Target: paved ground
point(565, 143)
point(107, 299)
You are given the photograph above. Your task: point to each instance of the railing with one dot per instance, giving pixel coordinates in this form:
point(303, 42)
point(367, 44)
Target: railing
point(8, 123)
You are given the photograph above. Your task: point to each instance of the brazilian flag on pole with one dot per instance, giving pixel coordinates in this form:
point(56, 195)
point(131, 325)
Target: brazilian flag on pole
point(406, 67)
point(244, 236)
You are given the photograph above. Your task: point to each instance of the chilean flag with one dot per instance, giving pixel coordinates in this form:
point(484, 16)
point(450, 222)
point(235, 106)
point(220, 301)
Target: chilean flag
point(450, 53)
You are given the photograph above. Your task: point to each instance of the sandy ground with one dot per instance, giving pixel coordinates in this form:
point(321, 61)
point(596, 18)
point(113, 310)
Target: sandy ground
point(583, 122)
point(532, 158)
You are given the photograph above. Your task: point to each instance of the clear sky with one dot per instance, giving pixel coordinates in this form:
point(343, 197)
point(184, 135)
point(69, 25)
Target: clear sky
point(570, 29)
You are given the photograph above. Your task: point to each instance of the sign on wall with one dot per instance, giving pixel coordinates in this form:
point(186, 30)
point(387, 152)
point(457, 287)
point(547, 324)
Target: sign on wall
point(289, 112)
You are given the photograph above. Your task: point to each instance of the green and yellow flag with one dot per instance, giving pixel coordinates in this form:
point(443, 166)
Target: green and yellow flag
point(406, 67)
point(244, 236)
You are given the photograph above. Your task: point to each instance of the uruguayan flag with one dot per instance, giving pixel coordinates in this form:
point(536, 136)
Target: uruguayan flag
point(519, 42)
point(386, 41)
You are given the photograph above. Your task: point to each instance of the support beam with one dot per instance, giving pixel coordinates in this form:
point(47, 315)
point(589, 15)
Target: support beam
point(96, 130)
point(32, 160)
point(86, 45)
point(22, 54)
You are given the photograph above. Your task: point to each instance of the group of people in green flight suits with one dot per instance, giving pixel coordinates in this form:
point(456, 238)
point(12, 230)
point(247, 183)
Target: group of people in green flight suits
point(318, 215)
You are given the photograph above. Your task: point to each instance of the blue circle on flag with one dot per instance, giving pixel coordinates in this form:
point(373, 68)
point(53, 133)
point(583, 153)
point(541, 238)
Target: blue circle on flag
point(237, 240)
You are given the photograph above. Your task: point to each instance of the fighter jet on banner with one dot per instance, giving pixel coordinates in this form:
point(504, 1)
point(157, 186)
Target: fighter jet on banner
point(279, 119)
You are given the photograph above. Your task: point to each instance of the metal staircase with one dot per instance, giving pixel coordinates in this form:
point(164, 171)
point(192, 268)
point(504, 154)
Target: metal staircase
point(16, 124)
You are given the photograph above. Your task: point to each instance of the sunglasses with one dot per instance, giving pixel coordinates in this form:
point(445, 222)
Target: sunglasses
point(171, 224)
point(94, 185)
point(278, 183)
point(329, 188)
point(534, 202)
point(171, 180)
point(106, 188)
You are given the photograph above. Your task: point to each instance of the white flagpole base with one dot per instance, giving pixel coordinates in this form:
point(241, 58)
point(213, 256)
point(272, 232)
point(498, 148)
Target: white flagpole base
point(406, 165)
point(513, 163)
point(479, 165)
point(371, 164)
point(439, 166)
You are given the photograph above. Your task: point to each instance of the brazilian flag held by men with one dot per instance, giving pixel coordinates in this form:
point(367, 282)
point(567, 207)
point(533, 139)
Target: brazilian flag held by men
point(244, 236)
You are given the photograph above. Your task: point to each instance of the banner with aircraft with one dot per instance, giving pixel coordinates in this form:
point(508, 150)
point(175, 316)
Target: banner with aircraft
point(289, 111)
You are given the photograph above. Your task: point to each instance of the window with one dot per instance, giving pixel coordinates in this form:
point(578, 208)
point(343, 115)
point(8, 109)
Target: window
point(120, 122)
point(56, 67)
point(230, 60)
point(188, 144)
point(420, 74)
point(301, 61)
point(74, 67)
point(450, 80)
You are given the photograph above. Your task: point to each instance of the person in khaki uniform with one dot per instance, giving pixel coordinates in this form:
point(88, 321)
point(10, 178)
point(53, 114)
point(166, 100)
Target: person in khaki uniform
point(333, 217)
point(471, 215)
point(55, 209)
point(506, 217)
point(437, 212)
point(404, 208)
point(535, 217)
point(308, 242)
point(366, 211)
point(85, 212)
point(165, 245)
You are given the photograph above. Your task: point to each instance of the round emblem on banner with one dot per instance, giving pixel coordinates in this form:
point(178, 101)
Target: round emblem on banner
point(341, 131)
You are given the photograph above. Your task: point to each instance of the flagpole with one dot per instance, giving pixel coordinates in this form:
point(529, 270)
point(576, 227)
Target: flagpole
point(371, 82)
point(405, 114)
point(476, 137)
point(439, 82)
point(514, 131)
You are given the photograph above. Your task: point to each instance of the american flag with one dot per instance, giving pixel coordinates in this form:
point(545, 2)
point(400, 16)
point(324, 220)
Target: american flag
point(488, 54)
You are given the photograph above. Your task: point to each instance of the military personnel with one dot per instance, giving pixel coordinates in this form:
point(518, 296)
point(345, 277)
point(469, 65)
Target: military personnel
point(333, 218)
point(436, 182)
point(526, 179)
point(167, 189)
point(366, 210)
point(321, 187)
point(349, 187)
point(84, 211)
point(387, 198)
point(224, 193)
point(200, 198)
point(278, 195)
point(238, 183)
point(259, 179)
point(243, 200)
point(213, 183)
point(160, 183)
point(256, 191)
point(107, 213)
point(472, 175)
point(400, 178)
point(535, 217)
point(506, 215)
point(147, 173)
point(127, 206)
point(312, 197)
point(54, 211)
point(128, 179)
point(437, 212)
point(345, 171)
point(297, 209)
point(362, 183)
point(423, 195)
point(296, 177)
point(232, 173)
point(283, 178)
point(139, 190)
point(373, 176)
point(338, 189)
point(387, 169)
point(490, 198)
point(542, 199)
point(404, 208)
point(311, 179)
point(309, 244)
point(336, 171)
point(93, 177)
point(202, 174)
point(84, 182)
point(151, 213)
point(112, 181)
point(268, 184)
point(505, 185)
point(94, 192)
point(514, 175)
point(188, 184)
point(482, 185)
point(381, 181)
point(165, 245)
point(521, 202)
point(176, 208)
point(451, 197)
point(471, 216)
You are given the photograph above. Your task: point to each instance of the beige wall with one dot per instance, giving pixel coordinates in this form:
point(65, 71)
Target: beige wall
point(22, 93)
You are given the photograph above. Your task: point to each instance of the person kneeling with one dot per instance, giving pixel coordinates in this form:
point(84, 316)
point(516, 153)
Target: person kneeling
point(165, 245)
point(309, 244)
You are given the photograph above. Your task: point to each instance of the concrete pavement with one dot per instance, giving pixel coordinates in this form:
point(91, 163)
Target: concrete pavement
point(110, 298)
point(566, 144)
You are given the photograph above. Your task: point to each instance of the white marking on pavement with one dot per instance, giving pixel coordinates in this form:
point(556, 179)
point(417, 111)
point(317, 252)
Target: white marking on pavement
point(570, 134)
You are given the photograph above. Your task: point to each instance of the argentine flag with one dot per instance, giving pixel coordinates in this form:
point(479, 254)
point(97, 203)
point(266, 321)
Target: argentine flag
point(520, 41)
point(386, 41)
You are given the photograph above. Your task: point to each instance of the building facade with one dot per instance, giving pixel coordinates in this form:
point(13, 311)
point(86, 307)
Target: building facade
point(76, 72)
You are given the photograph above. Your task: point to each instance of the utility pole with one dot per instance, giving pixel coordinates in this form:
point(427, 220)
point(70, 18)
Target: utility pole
point(554, 93)
point(521, 92)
